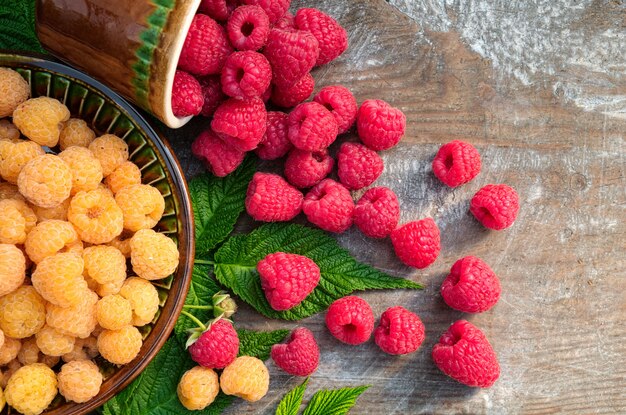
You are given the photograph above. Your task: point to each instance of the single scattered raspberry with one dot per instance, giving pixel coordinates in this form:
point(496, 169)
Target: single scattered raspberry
point(114, 312)
point(312, 127)
point(22, 312)
point(242, 122)
point(45, 181)
point(76, 132)
point(13, 91)
point(126, 174)
point(59, 279)
point(332, 38)
point(248, 28)
point(9, 350)
point(96, 216)
point(206, 47)
point(14, 156)
point(31, 389)
point(12, 268)
point(350, 319)
point(471, 286)
point(300, 355)
point(111, 150)
point(16, 221)
point(417, 243)
point(464, 354)
point(8, 131)
point(104, 263)
point(275, 142)
point(271, 199)
point(58, 212)
point(219, 10)
point(187, 97)
point(275, 9)
point(218, 156)
point(329, 206)
point(306, 169)
point(52, 342)
point(79, 381)
point(153, 255)
point(120, 346)
point(292, 54)
point(295, 94)
point(358, 166)
point(29, 353)
point(377, 213)
point(286, 22)
point(41, 119)
point(51, 237)
point(495, 206)
point(456, 163)
point(379, 125)
point(212, 93)
point(143, 298)
point(246, 74)
point(399, 331)
point(341, 103)
point(142, 206)
point(247, 378)
point(198, 388)
point(78, 320)
point(217, 347)
point(85, 167)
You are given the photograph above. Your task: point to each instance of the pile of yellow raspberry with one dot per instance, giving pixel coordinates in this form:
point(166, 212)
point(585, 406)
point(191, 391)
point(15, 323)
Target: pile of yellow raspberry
point(77, 251)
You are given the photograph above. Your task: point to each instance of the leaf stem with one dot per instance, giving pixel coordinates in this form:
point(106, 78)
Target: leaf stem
point(194, 319)
point(199, 307)
point(204, 262)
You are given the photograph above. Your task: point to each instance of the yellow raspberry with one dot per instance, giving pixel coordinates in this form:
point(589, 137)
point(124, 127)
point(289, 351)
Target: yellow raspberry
point(127, 174)
point(86, 169)
point(142, 206)
point(104, 264)
point(29, 353)
point(12, 268)
point(51, 237)
point(8, 131)
point(77, 321)
point(58, 212)
point(120, 346)
point(79, 381)
point(59, 279)
point(114, 312)
point(45, 181)
point(16, 221)
point(14, 156)
point(10, 191)
point(52, 342)
point(22, 312)
point(76, 132)
point(13, 91)
point(41, 120)
point(110, 288)
point(84, 349)
point(122, 243)
point(111, 150)
point(50, 361)
point(96, 216)
point(153, 255)
point(143, 298)
point(31, 389)
point(198, 388)
point(247, 377)
point(9, 350)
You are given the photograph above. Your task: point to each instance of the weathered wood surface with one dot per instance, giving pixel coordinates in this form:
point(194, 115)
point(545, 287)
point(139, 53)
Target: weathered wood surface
point(540, 89)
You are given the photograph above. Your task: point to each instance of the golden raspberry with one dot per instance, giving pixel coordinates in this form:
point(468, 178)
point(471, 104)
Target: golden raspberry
point(127, 174)
point(9, 191)
point(79, 352)
point(76, 132)
point(41, 120)
point(96, 216)
point(9, 350)
point(12, 268)
point(51, 237)
point(198, 388)
point(79, 381)
point(153, 255)
point(22, 312)
point(29, 353)
point(143, 298)
point(14, 156)
point(52, 342)
point(114, 312)
point(86, 169)
point(111, 150)
point(59, 279)
point(104, 264)
point(142, 206)
point(122, 243)
point(247, 377)
point(13, 91)
point(110, 288)
point(45, 181)
point(120, 346)
point(31, 389)
point(58, 212)
point(16, 221)
point(77, 321)
point(8, 131)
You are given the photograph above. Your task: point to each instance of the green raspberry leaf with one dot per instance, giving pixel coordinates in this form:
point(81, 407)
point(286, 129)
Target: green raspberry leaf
point(259, 343)
point(17, 26)
point(334, 402)
point(291, 402)
point(236, 260)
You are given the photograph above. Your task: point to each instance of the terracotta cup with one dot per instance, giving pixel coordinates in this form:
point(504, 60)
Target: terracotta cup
point(132, 46)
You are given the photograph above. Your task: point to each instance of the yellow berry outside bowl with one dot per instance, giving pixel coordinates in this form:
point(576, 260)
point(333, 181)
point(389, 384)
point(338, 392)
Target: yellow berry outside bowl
point(107, 112)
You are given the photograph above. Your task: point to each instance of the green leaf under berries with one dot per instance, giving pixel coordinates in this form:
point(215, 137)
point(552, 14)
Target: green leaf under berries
point(341, 274)
point(17, 26)
point(259, 343)
point(334, 402)
point(291, 402)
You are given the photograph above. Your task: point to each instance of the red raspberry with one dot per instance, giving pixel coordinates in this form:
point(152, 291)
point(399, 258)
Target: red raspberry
point(187, 98)
point(341, 103)
point(471, 287)
point(218, 9)
point(300, 355)
point(206, 47)
point(495, 206)
point(275, 9)
point(217, 347)
point(377, 212)
point(417, 243)
point(329, 206)
point(380, 126)
point(295, 94)
point(350, 319)
point(286, 22)
point(312, 127)
point(287, 279)
point(271, 199)
point(456, 163)
point(292, 54)
point(242, 122)
point(464, 354)
point(212, 92)
point(358, 166)
point(399, 331)
point(246, 75)
point(218, 156)
point(248, 28)
point(306, 169)
point(275, 142)
point(332, 38)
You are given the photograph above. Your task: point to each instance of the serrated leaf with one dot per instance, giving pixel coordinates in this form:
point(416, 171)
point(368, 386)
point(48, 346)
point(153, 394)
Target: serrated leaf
point(291, 402)
point(334, 402)
point(17, 26)
point(341, 274)
point(259, 343)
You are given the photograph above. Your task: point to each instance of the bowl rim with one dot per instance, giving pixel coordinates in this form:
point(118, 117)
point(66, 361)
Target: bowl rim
point(186, 238)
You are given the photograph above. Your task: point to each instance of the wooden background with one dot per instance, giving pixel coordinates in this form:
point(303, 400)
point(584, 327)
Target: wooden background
point(540, 89)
